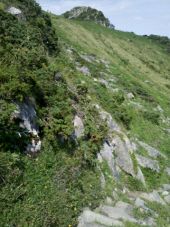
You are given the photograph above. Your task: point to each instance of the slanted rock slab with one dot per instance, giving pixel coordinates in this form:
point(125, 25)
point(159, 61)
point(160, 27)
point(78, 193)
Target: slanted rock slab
point(120, 211)
point(88, 217)
point(148, 163)
point(153, 197)
point(151, 150)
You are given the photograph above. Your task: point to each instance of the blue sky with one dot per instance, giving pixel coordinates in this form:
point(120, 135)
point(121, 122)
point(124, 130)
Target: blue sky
point(139, 16)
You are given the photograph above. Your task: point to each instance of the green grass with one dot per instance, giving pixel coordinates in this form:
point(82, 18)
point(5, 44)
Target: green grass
point(53, 188)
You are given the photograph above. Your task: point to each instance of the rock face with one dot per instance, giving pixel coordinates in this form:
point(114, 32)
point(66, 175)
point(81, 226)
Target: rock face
point(88, 14)
point(27, 116)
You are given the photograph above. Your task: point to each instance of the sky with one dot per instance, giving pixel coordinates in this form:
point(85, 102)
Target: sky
point(139, 16)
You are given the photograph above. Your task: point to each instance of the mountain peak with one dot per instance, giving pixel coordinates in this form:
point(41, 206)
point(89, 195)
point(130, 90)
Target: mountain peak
point(88, 14)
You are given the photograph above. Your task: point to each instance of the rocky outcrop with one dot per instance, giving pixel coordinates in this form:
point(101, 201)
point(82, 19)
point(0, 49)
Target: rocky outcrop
point(26, 114)
point(118, 149)
point(88, 14)
point(15, 12)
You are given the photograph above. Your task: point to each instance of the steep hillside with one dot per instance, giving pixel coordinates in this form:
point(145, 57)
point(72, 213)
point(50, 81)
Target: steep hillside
point(84, 124)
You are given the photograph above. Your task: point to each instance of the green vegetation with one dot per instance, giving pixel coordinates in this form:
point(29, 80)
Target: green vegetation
point(51, 188)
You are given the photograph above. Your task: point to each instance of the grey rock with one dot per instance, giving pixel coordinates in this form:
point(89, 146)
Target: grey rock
point(123, 158)
point(78, 127)
point(151, 151)
point(139, 203)
point(159, 109)
point(58, 76)
point(149, 222)
point(167, 130)
point(14, 11)
point(115, 90)
point(167, 170)
point(167, 199)
point(120, 211)
point(136, 105)
point(153, 197)
point(140, 176)
point(109, 201)
point(88, 58)
point(103, 82)
point(85, 70)
point(166, 187)
point(130, 96)
point(88, 14)
point(89, 217)
point(112, 125)
point(105, 62)
point(27, 115)
point(34, 146)
point(28, 120)
point(107, 154)
point(165, 193)
point(148, 163)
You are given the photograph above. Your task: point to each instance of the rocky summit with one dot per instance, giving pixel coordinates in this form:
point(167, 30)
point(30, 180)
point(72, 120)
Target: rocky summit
point(88, 14)
point(84, 121)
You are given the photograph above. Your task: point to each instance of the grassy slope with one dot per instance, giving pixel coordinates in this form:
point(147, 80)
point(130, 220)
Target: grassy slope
point(134, 60)
point(52, 189)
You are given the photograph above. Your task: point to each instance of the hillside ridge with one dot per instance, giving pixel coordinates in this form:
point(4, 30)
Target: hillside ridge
point(88, 14)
